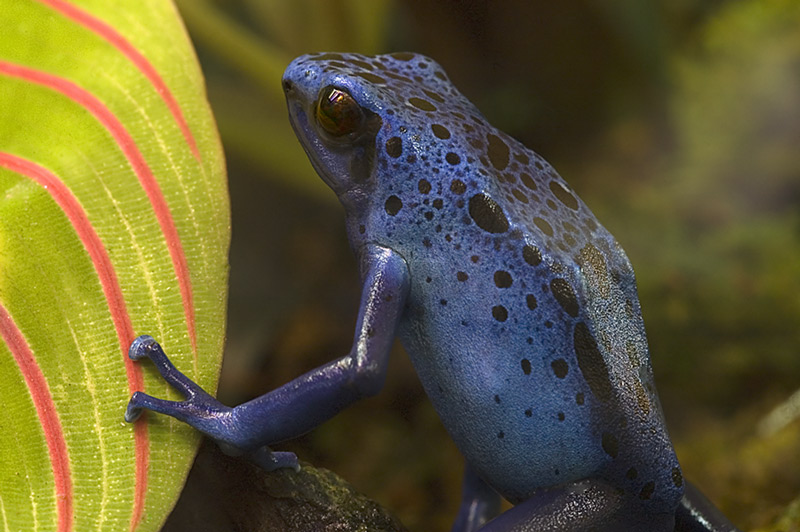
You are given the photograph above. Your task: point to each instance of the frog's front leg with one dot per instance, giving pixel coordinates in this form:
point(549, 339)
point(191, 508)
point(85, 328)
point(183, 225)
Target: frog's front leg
point(302, 404)
point(199, 409)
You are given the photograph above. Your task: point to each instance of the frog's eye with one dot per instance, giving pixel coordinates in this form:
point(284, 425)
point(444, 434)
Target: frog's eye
point(338, 113)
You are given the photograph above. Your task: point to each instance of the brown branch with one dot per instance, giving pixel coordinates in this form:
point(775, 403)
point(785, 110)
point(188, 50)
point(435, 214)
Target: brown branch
point(232, 495)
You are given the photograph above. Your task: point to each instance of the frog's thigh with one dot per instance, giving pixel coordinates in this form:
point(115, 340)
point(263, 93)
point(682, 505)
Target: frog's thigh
point(588, 505)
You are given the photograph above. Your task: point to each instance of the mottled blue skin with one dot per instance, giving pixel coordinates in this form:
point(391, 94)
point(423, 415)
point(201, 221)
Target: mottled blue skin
point(518, 309)
point(520, 425)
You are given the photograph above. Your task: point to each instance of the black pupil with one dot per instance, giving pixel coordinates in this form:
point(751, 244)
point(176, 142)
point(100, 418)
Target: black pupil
point(337, 112)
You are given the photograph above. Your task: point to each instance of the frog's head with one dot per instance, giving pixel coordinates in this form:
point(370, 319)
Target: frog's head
point(332, 117)
point(352, 112)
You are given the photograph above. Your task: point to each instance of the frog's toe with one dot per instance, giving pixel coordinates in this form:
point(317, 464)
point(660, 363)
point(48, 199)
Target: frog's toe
point(135, 408)
point(271, 460)
point(142, 347)
point(145, 346)
point(204, 412)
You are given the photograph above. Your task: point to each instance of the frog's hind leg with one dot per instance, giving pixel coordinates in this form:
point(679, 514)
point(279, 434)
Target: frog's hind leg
point(697, 514)
point(588, 505)
point(479, 503)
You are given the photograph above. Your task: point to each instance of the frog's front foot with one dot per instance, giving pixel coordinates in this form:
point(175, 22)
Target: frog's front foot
point(198, 409)
point(198, 404)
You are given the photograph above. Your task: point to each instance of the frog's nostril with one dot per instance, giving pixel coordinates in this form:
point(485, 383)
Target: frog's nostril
point(287, 85)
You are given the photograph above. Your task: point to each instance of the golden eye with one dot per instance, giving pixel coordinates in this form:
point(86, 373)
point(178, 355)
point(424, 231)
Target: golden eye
point(337, 112)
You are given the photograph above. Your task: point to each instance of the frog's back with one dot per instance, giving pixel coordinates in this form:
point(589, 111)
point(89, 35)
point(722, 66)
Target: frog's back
point(523, 320)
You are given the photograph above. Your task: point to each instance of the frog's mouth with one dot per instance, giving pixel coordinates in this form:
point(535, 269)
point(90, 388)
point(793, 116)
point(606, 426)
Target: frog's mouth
point(345, 166)
point(304, 131)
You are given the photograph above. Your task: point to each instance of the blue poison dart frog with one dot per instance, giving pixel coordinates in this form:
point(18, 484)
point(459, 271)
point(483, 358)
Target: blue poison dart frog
point(517, 308)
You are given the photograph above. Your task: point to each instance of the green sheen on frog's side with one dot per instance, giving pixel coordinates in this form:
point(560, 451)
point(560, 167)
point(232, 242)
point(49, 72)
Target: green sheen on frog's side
point(518, 309)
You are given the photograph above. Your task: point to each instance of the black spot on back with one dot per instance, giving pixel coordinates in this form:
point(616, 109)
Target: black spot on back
point(591, 363)
point(610, 444)
point(393, 205)
point(499, 313)
point(543, 225)
point(403, 56)
point(394, 147)
point(565, 296)
point(532, 255)
point(371, 77)
point(563, 195)
point(440, 131)
point(560, 367)
point(528, 181)
point(419, 103)
point(433, 95)
point(520, 195)
point(487, 214)
point(502, 279)
point(498, 151)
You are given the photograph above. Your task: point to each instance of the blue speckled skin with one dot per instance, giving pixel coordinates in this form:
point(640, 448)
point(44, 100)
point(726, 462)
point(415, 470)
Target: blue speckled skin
point(504, 377)
point(518, 309)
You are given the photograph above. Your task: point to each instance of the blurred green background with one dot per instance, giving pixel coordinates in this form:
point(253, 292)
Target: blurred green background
point(677, 121)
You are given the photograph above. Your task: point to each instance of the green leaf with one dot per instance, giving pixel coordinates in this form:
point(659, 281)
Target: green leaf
point(114, 222)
